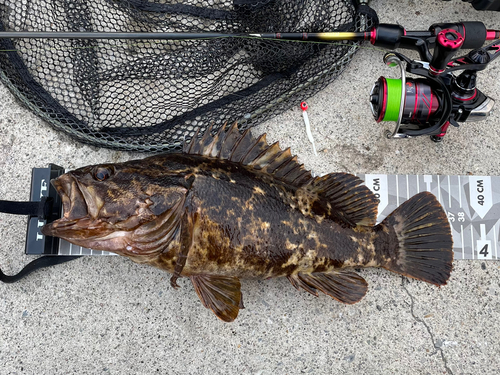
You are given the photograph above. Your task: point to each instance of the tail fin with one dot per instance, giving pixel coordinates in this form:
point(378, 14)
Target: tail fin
point(423, 243)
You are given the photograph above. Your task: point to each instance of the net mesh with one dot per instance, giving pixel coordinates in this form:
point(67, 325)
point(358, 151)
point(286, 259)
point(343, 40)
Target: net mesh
point(147, 95)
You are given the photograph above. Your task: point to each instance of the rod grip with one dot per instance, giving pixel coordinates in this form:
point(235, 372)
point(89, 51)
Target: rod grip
point(387, 35)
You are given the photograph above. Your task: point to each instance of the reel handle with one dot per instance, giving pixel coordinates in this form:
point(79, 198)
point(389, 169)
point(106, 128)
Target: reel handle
point(473, 32)
point(448, 41)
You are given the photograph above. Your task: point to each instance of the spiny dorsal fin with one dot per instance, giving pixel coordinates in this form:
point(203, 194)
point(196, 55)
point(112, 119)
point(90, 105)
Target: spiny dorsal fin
point(246, 150)
point(337, 196)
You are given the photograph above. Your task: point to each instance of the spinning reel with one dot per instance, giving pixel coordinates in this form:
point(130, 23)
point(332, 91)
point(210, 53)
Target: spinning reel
point(429, 104)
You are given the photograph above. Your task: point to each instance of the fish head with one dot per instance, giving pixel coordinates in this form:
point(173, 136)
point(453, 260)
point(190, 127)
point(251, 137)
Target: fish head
point(109, 206)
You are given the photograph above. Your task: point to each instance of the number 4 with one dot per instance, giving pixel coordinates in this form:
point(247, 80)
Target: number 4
point(484, 251)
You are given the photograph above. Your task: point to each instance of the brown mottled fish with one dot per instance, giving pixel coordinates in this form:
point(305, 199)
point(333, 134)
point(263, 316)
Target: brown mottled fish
point(230, 206)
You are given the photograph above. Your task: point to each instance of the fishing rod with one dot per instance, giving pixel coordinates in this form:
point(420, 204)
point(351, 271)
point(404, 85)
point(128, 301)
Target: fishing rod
point(423, 106)
point(384, 35)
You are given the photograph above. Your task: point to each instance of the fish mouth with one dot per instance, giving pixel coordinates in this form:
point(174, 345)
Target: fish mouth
point(72, 197)
point(75, 209)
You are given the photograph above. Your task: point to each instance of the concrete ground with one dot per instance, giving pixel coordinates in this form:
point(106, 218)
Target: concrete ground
point(107, 315)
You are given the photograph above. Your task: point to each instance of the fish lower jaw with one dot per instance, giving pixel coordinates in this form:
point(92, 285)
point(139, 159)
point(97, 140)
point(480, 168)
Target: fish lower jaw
point(115, 244)
point(117, 234)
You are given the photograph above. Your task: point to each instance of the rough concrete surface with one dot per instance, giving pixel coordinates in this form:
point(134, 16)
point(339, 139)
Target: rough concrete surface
point(107, 315)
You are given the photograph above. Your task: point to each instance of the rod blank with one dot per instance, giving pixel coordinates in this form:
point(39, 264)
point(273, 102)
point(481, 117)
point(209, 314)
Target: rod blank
point(324, 36)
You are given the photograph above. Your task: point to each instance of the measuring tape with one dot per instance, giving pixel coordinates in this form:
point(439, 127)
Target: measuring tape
point(472, 204)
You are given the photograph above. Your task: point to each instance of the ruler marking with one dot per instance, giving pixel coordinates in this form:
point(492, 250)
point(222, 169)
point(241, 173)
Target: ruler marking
point(483, 231)
point(418, 184)
point(495, 240)
point(397, 191)
point(428, 182)
point(472, 239)
point(407, 188)
point(459, 192)
point(439, 190)
point(449, 191)
point(462, 236)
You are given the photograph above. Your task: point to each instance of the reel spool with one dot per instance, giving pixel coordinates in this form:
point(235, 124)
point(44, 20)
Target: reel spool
point(411, 103)
point(419, 106)
point(420, 103)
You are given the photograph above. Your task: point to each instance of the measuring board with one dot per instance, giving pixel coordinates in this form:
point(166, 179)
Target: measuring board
point(472, 204)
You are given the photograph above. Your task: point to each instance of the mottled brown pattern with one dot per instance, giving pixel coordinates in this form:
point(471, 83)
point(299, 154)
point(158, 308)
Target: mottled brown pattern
point(237, 208)
point(247, 227)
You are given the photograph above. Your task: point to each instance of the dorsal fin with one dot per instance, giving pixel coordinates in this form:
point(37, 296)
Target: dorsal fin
point(247, 150)
point(338, 196)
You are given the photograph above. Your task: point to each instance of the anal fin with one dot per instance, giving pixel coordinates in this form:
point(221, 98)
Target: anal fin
point(221, 294)
point(344, 286)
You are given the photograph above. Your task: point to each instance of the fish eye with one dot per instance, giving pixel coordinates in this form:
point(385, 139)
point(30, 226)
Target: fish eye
point(102, 173)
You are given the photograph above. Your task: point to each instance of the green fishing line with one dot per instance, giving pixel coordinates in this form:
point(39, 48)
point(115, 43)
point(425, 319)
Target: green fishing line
point(393, 99)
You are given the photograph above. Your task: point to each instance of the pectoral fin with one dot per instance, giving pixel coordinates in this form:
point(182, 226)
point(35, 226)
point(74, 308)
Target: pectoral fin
point(188, 223)
point(344, 286)
point(221, 294)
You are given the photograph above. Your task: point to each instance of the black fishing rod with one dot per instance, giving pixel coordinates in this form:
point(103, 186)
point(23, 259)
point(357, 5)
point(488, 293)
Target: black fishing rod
point(388, 36)
point(384, 35)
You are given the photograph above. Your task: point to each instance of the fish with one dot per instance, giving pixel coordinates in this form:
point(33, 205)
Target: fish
point(231, 207)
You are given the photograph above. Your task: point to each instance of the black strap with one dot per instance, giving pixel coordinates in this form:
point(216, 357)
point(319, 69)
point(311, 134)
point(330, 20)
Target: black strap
point(42, 262)
point(42, 209)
